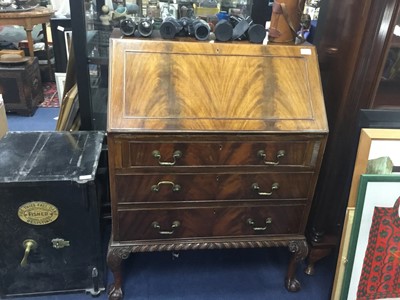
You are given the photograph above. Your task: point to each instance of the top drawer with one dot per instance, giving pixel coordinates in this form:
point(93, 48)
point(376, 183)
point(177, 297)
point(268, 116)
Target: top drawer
point(129, 153)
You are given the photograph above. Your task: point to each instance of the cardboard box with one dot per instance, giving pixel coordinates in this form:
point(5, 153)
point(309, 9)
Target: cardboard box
point(3, 118)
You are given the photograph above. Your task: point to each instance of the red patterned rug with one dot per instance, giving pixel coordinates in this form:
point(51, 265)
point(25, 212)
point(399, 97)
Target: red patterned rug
point(50, 95)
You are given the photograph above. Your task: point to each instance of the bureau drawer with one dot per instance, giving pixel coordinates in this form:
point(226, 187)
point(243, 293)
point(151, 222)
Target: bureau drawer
point(208, 222)
point(197, 187)
point(269, 153)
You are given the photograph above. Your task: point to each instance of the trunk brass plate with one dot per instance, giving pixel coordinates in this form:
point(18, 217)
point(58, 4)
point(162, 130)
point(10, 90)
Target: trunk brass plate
point(38, 213)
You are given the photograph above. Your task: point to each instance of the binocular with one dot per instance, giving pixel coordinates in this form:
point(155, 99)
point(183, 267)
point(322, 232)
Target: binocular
point(233, 28)
point(239, 28)
point(185, 26)
point(144, 27)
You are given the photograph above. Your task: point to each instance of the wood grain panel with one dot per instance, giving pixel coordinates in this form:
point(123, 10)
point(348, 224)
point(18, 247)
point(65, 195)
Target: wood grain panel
point(202, 187)
point(221, 153)
point(209, 222)
point(203, 86)
point(200, 86)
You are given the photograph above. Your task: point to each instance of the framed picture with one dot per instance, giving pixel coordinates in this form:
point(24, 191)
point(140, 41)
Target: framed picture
point(60, 83)
point(379, 118)
point(373, 143)
point(68, 39)
point(374, 250)
point(343, 252)
point(59, 28)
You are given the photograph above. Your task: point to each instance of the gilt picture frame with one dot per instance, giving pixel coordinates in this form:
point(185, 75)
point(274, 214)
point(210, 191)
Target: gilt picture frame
point(376, 208)
point(373, 143)
point(343, 252)
point(60, 83)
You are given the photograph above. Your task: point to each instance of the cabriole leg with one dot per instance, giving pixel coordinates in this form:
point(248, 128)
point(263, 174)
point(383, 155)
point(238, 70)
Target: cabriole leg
point(299, 251)
point(115, 255)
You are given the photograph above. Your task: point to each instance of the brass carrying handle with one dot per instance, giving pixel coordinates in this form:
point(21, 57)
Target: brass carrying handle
point(157, 226)
point(177, 154)
point(251, 222)
point(156, 187)
point(256, 188)
point(280, 154)
point(28, 246)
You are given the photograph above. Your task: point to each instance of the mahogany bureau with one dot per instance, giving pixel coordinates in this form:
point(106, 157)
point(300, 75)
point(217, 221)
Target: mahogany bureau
point(212, 146)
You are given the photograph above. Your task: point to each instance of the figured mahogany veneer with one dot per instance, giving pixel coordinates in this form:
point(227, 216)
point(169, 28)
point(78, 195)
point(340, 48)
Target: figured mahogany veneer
point(184, 187)
point(212, 146)
point(216, 221)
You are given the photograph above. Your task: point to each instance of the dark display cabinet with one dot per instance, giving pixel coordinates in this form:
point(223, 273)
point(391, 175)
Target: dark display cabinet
point(60, 33)
point(353, 48)
point(90, 44)
point(50, 212)
point(388, 90)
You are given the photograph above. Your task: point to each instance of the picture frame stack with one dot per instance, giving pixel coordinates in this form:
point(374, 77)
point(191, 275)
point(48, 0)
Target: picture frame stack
point(373, 258)
point(368, 264)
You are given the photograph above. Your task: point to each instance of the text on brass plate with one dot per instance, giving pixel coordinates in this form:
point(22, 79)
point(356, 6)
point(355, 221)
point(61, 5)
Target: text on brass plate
point(38, 213)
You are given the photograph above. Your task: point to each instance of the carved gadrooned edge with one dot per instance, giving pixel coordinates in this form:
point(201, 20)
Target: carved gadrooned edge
point(123, 251)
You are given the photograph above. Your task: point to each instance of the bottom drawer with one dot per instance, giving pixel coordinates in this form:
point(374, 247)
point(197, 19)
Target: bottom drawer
point(144, 224)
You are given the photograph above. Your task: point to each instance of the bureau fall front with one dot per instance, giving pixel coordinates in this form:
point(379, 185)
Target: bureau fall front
point(212, 146)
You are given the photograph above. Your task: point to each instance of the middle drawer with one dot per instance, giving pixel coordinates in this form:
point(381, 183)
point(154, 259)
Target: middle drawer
point(198, 187)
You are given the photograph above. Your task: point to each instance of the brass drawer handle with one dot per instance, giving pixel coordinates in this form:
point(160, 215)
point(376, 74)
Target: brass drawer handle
point(280, 154)
point(156, 187)
point(28, 246)
point(256, 188)
point(253, 224)
point(157, 226)
point(177, 154)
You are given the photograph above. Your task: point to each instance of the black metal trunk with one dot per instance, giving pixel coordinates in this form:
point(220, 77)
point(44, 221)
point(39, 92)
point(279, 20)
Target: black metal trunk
point(50, 213)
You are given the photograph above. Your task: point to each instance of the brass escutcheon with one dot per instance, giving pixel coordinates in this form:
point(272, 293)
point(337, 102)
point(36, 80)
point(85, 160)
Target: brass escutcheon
point(59, 243)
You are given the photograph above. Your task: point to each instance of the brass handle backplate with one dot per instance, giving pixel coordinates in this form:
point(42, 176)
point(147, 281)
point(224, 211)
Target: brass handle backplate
point(177, 154)
point(262, 155)
point(175, 187)
point(28, 246)
point(255, 187)
point(251, 222)
point(157, 226)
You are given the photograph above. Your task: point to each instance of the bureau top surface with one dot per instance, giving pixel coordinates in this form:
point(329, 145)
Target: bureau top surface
point(49, 156)
point(174, 86)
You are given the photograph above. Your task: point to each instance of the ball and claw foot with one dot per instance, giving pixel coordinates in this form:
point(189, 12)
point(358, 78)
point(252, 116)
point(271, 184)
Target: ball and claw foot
point(292, 285)
point(114, 293)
